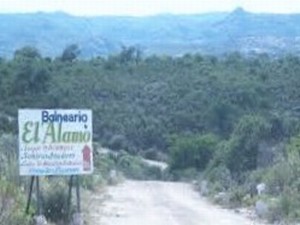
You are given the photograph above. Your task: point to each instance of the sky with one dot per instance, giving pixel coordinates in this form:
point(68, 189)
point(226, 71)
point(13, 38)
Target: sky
point(146, 7)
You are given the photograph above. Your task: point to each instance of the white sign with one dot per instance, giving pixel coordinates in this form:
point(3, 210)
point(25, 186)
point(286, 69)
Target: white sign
point(55, 142)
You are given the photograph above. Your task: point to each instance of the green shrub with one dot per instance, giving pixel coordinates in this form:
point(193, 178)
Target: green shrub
point(275, 211)
point(289, 203)
point(278, 177)
point(152, 154)
point(12, 204)
point(55, 200)
point(8, 159)
point(135, 168)
point(284, 208)
point(5, 124)
point(90, 182)
point(242, 148)
point(187, 174)
point(219, 174)
point(118, 142)
point(130, 166)
point(153, 173)
point(192, 151)
point(237, 196)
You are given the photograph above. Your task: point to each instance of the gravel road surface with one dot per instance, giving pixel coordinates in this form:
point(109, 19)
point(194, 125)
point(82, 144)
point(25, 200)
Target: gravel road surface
point(159, 203)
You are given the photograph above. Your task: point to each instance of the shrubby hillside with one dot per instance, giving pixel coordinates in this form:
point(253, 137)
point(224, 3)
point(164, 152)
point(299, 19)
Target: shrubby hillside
point(140, 103)
point(233, 119)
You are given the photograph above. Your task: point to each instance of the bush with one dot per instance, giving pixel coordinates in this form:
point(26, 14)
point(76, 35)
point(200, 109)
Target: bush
point(12, 200)
point(241, 151)
point(55, 200)
point(8, 159)
point(135, 168)
point(152, 154)
point(187, 174)
point(278, 177)
point(285, 208)
point(237, 196)
point(219, 174)
point(12, 205)
point(90, 182)
point(118, 142)
point(5, 125)
point(192, 151)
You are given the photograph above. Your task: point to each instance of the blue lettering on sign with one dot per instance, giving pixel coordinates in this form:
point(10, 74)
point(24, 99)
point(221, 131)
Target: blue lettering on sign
point(54, 171)
point(63, 117)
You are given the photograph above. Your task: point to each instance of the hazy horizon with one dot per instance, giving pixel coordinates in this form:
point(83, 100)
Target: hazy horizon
point(147, 8)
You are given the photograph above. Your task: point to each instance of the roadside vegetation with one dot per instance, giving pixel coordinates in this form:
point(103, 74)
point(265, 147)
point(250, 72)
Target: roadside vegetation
point(110, 169)
point(230, 122)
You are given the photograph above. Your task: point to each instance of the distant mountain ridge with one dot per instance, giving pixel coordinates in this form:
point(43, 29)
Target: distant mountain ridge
point(213, 33)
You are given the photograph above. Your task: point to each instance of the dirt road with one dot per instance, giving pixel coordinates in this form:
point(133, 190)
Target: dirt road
point(159, 203)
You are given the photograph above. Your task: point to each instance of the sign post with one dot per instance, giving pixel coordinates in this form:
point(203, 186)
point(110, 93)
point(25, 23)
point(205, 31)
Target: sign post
point(38, 196)
point(29, 195)
point(55, 142)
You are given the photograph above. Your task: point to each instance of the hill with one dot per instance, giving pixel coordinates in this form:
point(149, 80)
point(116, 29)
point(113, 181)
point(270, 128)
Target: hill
point(160, 34)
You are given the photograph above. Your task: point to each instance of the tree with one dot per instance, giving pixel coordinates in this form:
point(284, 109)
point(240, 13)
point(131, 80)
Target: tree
point(27, 52)
point(70, 53)
point(130, 54)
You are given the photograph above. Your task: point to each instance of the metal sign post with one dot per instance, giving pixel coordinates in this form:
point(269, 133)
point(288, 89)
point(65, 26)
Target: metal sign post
point(70, 196)
point(76, 218)
point(78, 194)
point(29, 195)
point(38, 196)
